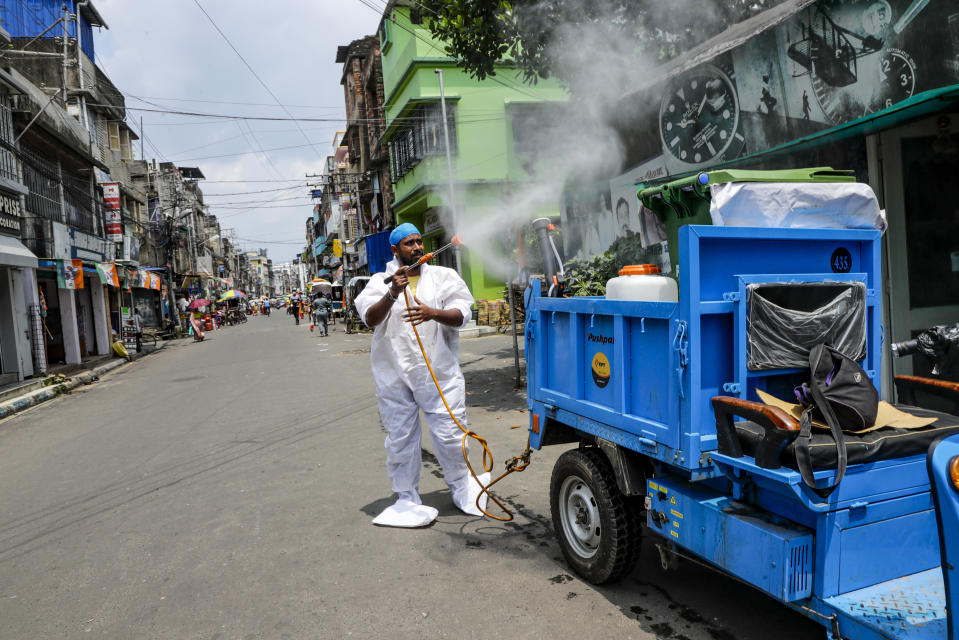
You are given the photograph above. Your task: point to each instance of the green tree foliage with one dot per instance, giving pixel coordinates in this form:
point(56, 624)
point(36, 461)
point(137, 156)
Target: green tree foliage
point(535, 33)
point(589, 277)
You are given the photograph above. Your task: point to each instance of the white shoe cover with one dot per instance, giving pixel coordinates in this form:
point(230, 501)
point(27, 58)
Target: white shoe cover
point(406, 514)
point(469, 504)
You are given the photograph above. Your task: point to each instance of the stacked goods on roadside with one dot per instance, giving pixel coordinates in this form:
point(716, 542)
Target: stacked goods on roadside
point(482, 312)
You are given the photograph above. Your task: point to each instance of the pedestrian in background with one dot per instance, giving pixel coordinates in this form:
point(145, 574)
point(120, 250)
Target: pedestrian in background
point(196, 321)
point(138, 328)
point(321, 312)
point(295, 300)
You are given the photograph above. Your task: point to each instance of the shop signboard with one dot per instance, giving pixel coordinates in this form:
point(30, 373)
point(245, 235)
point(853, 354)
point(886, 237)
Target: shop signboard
point(204, 265)
point(86, 246)
point(131, 249)
point(111, 211)
point(432, 221)
point(73, 244)
point(10, 214)
point(128, 331)
point(337, 248)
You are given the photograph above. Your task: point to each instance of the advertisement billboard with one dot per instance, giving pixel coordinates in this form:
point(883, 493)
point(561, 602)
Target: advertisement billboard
point(113, 216)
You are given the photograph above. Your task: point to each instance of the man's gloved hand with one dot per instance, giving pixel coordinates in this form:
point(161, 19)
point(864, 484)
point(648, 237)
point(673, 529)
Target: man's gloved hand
point(936, 342)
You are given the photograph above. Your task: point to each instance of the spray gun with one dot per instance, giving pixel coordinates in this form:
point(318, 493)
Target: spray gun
point(454, 242)
point(553, 266)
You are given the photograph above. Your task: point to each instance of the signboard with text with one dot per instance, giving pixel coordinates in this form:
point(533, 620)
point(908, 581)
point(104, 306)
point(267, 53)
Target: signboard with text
point(113, 217)
point(72, 243)
point(10, 214)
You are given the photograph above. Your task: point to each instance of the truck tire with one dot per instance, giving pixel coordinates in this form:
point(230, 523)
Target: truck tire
point(599, 529)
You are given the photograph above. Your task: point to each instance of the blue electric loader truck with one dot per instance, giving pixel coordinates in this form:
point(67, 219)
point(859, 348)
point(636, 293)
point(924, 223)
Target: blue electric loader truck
point(662, 401)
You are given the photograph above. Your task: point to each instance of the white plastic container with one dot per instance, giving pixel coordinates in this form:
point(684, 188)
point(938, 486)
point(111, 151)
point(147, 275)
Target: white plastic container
point(642, 282)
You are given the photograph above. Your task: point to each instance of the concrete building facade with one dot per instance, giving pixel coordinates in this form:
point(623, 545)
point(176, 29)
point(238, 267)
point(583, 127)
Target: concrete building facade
point(481, 137)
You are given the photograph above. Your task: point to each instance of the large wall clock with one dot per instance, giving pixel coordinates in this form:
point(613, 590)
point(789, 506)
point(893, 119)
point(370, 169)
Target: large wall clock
point(699, 116)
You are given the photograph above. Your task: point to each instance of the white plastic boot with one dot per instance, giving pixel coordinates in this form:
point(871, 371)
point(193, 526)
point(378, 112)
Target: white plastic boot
point(406, 513)
point(466, 501)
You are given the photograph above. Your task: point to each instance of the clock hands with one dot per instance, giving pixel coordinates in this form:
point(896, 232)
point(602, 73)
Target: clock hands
point(702, 104)
point(688, 118)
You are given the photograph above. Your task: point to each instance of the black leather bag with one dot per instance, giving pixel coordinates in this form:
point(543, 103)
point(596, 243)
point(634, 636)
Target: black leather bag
point(840, 393)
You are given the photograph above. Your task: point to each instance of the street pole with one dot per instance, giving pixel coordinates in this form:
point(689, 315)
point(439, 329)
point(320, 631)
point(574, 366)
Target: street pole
point(449, 171)
point(359, 209)
point(65, 63)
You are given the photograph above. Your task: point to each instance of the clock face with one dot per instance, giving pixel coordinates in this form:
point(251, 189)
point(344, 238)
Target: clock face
point(699, 117)
point(897, 79)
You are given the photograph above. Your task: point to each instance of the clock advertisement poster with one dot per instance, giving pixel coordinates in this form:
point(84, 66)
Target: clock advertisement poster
point(833, 62)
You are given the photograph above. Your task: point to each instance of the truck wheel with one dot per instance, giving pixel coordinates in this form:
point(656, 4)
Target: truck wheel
point(599, 528)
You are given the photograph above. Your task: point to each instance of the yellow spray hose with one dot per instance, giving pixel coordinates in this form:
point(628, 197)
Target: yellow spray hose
point(513, 465)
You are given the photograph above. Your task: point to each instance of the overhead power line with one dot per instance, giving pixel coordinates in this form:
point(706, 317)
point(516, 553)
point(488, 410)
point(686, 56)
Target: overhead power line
point(253, 181)
point(243, 193)
point(255, 202)
point(223, 116)
point(233, 102)
point(255, 75)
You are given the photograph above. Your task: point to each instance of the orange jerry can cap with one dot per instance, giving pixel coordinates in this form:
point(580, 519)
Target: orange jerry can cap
point(639, 270)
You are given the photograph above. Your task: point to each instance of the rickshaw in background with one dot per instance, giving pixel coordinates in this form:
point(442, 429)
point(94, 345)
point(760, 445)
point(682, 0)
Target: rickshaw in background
point(337, 299)
point(354, 324)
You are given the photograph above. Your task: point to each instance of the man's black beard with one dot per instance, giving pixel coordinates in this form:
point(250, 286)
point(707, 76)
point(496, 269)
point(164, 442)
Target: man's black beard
point(406, 262)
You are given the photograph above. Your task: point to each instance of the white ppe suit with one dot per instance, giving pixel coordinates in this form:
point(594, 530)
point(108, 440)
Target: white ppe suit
point(404, 385)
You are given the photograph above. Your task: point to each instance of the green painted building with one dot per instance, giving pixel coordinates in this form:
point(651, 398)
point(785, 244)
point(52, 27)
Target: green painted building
point(485, 121)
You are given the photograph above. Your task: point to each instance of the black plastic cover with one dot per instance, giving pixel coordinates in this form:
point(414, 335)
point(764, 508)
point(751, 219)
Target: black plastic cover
point(785, 320)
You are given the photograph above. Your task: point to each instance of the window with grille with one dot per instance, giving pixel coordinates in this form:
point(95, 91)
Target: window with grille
point(78, 202)
point(532, 124)
point(421, 135)
point(8, 161)
point(42, 177)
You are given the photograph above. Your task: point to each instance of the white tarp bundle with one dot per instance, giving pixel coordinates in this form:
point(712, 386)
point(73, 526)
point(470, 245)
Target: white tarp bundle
point(843, 205)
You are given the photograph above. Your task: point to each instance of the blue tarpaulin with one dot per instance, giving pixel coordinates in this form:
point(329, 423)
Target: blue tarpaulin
point(378, 251)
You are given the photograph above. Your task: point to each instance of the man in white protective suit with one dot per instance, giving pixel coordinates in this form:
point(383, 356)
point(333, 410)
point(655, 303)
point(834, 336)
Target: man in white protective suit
point(440, 304)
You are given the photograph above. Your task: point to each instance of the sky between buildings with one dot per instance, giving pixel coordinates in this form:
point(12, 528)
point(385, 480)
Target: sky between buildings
point(168, 56)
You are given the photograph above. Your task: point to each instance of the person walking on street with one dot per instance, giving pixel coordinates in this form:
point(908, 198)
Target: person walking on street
point(181, 305)
point(266, 307)
point(440, 304)
point(294, 307)
point(138, 328)
point(321, 311)
point(196, 321)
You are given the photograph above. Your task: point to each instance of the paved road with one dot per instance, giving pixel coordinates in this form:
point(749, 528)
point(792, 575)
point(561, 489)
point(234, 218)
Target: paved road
point(225, 490)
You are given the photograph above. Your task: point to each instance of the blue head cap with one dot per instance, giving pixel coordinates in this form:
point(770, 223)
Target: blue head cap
point(402, 231)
